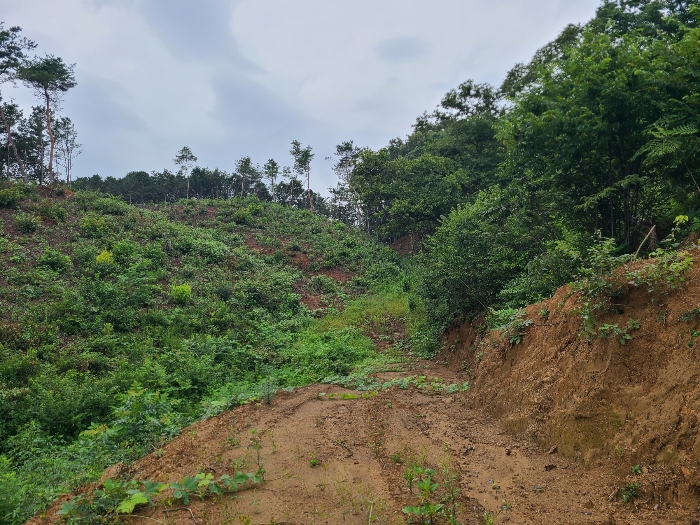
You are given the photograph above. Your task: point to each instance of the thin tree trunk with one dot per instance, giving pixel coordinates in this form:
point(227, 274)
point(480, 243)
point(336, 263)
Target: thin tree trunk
point(308, 189)
point(51, 137)
point(14, 146)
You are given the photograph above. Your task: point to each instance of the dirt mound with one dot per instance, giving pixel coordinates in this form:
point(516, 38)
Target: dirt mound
point(333, 456)
point(598, 400)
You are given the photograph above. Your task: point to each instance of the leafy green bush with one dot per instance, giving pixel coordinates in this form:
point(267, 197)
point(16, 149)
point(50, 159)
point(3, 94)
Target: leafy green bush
point(241, 216)
point(51, 211)
point(181, 293)
point(141, 419)
point(335, 352)
point(111, 206)
point(323, 284)
point(596, 286)
point(511, 322)
point(477, 250)
point(93, 226)
point(26, 222)
point(104, 258)
point(54, 260)
point(10, 197)
point(124, 251)
point(665, 271)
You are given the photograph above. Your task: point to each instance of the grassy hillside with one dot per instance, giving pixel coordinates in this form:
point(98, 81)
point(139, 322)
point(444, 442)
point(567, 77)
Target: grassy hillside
point(120, 325)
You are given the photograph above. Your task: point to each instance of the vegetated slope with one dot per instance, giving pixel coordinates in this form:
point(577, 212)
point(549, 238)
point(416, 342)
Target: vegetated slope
point(120, 324)
point(556, 428)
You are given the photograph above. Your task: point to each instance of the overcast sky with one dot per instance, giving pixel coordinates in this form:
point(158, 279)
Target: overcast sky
point(246, 77)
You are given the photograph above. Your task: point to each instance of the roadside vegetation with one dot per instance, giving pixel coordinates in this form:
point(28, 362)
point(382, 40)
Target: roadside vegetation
point(121, 325)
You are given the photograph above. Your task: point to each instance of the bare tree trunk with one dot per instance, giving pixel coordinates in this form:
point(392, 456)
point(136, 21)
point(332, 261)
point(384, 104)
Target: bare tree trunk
point(51, 137)
point(308, 189)
point(12, 143)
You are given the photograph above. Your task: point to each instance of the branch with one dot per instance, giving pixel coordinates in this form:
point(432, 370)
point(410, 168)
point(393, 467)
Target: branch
point(647, 237)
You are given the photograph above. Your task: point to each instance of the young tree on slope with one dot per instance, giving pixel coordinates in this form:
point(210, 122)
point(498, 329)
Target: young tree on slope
point(185, 159)
point(49, 78)
point(302, 166)
point(271, 170)
point(68, 147)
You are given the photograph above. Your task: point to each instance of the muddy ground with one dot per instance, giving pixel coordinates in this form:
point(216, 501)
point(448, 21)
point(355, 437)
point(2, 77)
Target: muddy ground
point(331, 461)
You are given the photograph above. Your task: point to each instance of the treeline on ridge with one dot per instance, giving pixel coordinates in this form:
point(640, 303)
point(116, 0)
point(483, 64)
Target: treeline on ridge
point(597, 136)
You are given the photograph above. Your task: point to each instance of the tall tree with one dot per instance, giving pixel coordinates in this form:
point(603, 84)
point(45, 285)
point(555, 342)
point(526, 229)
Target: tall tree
point(302, 166)
point(49, 77)
point(67, 144)
point(344, 202)
point(185, 159)
point(248, 174)
point(34, 140)
point(12, 48)
point(271, 171)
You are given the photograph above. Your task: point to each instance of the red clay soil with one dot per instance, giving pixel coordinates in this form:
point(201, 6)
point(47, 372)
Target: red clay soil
point(599, 407)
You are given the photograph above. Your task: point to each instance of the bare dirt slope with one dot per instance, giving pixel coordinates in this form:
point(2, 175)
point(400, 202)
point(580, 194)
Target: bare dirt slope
point(363, 448)
point(620, 416)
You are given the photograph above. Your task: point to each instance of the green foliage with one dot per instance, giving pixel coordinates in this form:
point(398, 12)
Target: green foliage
point(510, 322)
point(664, 272)
point(54, 260)
point(427, 510)
point(596, 285)
point(26, 222)
point(105, 258)
point(181, 293)
point(142, 418)
point(10, 197)
point(481, 249)
point(630, 492)
point(117, 498)
point(622, 334)
point(94, 226)
point(50, 210)
point(101, 363)
point(110, 206)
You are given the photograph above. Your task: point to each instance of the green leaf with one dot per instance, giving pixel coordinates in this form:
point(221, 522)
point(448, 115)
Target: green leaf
point(128, 505)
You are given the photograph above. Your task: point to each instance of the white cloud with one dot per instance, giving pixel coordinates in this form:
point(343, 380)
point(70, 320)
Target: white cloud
point(245, 77)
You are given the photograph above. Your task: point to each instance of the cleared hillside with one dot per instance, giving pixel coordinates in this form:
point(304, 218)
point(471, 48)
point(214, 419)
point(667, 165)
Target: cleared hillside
point(121, 324)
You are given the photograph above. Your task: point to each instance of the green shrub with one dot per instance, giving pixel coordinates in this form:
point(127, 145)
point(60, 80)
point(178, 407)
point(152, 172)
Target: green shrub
point(10, 197)
point(111, 206)
point(25, 222)
point(123, 251)
point(224, 291)
point(323, 284)
point(181, 293)
point(51, 211)
point(241, 216)
point(54, 260)
point(105, 258)
point(93, 226)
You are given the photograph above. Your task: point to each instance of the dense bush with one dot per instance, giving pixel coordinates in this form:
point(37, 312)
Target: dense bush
point(26, 222)
point(10, 197)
